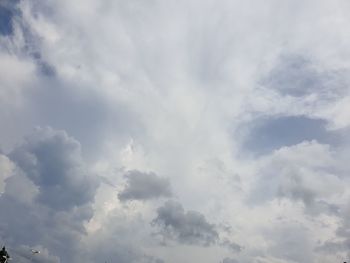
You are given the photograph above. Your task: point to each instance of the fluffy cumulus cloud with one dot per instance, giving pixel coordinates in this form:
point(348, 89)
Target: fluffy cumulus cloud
point(187, 228)
point(52, 161)
point(175, 131)
point(289, 173)
point(49, 195)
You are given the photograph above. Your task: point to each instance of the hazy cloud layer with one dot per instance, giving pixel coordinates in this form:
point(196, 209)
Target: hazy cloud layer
point(25, 254)
point(229, 260)
point(243, 106)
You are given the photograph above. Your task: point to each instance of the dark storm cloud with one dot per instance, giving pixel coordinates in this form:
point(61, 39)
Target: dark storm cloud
point(184, 227)
point(144, 186)
point(52, 161)
point(270, 134)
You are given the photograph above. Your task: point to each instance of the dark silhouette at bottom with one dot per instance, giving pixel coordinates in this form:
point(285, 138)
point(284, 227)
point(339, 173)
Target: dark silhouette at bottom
point(4, 256)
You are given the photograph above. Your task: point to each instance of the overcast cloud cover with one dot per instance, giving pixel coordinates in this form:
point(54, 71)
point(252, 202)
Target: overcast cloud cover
point(175, 131)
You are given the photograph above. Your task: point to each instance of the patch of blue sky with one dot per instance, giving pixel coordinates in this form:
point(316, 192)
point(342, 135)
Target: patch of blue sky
point(7, 11)
point(269, 134)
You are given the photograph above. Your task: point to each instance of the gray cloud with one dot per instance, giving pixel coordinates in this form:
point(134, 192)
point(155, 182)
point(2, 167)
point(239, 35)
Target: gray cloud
point(185, 227)
point(84, 114)
point(290, 242)
point(291, 173)
point(52, 161)
point(299, 76)
point(48, 198)
point(119, 252)
point(340, 243)
point(32, 224)
point(332, 247)
point(229, 260)
point(23, 254)
point(48, 201)
point(121, 239)
point(144, 186)
point(233, 246)
point(6, 168)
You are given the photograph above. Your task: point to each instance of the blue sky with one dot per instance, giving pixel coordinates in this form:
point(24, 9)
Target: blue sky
point(175, 131)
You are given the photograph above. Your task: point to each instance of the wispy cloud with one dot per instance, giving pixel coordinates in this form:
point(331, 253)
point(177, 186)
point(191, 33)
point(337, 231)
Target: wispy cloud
point(240, 110)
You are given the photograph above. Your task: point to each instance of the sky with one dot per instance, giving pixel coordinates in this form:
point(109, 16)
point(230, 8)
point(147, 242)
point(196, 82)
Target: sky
point(213, 131)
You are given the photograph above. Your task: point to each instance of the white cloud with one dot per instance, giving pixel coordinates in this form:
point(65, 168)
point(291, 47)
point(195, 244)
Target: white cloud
point(15, 74)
